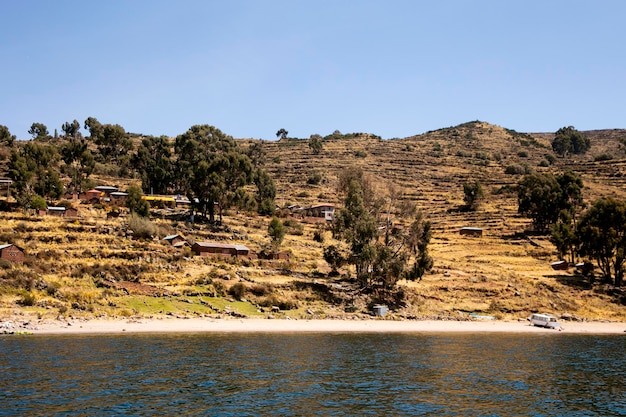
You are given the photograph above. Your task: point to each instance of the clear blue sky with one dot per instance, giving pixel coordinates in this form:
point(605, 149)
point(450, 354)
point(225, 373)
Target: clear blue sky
point(394, 68)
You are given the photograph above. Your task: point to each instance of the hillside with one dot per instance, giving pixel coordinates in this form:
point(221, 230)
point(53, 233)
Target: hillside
point(92, 266)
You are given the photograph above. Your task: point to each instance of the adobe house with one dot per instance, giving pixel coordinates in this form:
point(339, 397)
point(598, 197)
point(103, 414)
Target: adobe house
point(12, 253)
point(55, 211)
point(71, 212)
point(221, 250)
point(175, 240)
point(59, 211)
point(281, 256)
point(119, 197)
point(471, 231)
point(94, 196)
point(323, 211)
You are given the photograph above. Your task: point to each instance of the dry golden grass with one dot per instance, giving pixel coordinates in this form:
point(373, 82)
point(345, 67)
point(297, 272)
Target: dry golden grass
point(71, 263)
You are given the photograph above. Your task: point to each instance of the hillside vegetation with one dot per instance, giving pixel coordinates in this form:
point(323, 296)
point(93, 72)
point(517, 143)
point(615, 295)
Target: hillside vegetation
point(92, 266)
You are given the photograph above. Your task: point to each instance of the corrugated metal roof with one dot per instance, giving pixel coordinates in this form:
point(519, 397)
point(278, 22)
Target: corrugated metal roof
point(106, 188)
point(221, 245)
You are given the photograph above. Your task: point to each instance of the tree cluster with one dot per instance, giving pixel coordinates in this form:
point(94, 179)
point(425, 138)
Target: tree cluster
point(387, 237)
point(203, 163)
point(545, 198)
point(568, 140)
point(555, 204)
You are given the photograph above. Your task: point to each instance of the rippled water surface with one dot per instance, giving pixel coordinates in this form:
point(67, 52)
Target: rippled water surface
point(314, 375)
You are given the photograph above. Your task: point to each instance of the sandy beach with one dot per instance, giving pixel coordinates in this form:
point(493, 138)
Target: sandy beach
point(213, 325)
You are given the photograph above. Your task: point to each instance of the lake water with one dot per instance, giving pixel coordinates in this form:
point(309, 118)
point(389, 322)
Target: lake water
point(313, 375)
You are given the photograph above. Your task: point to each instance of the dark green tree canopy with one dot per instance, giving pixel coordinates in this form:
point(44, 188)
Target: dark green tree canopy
point(256, 153)
point(544, 198)
point(315, 143)
point(602, 236)
point(71, 130)
point(473, 195)
point(95, 128)
point(39, 131)
point(136, 204)
point(538, 197)
point(266, 192)
point(5, 136)
point(568, 140)
point(282, 133)
point(153, 163)
point(210, 168)
point(79, 161)
point(113, 142)
point(34, 170)
point(276, 231)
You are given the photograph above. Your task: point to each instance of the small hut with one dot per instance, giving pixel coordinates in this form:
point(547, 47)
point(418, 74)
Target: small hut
point(12, 253)
point(471, 231)
point(175, 240)
point(220, 250)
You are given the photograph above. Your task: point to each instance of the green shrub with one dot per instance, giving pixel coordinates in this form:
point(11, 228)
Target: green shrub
point(238, 291)
point(314, 178)
point(37, 202)
point(603, 157)
point(274, 301)
point(261, 289)
point(142, 227)
point(28, 299)
point(514, 169)
point(318, 236)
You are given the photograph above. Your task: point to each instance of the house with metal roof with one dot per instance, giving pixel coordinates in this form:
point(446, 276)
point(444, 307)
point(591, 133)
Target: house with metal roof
point(221, 250)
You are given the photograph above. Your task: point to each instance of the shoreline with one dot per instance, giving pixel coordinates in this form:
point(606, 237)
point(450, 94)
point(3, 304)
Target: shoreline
point(221, 325)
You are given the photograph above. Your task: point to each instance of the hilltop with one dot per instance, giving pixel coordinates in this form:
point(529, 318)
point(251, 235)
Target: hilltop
point(92, 266)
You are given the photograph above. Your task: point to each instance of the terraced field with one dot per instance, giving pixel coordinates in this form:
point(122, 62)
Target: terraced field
point(87, 265)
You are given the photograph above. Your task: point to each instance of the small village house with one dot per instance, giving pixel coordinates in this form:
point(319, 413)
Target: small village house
point(471, 231)
point(59, 211)
point(119, 197)
point(320, 211)
point(212, 249)
point(55, 211)
point(280, 256)
point(175, 240)
point(94, 196)
point(12, 253)
point(71, 212)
